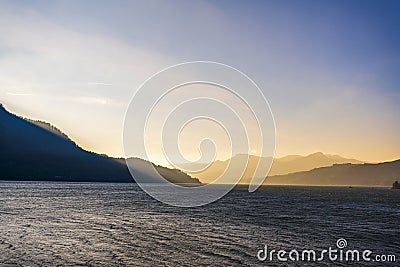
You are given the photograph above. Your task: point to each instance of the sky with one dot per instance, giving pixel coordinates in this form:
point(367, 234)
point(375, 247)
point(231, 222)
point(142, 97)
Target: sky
point(329, 69)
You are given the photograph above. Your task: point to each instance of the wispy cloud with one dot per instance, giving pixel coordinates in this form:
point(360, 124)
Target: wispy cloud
point(97, 101)
point(18, 94)
point(98, 84)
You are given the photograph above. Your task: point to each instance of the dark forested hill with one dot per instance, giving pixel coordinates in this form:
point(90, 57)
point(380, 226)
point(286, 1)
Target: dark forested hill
point(379, 174)
point(33, 151)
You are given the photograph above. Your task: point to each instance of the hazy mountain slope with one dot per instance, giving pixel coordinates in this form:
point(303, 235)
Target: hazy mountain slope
point(47, 126)
point(380, 174)
point(32, 152)
point(289, 165)
point(285, 165)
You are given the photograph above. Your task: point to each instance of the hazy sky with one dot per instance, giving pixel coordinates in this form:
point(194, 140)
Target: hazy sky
point(330, 69)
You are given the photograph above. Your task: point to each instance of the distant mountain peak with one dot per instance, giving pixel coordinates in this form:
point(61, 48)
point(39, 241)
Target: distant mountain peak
point(280, 166)
point(317, 154)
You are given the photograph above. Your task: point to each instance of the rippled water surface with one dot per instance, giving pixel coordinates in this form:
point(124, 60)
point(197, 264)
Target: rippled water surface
point(118, 225)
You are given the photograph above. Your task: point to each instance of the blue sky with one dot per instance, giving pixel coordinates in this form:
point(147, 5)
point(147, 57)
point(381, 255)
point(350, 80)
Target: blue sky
point(328, 68)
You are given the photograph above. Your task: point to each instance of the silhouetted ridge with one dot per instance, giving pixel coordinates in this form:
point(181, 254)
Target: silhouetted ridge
point(49, 127)
point(367, 174)
point(34, 150)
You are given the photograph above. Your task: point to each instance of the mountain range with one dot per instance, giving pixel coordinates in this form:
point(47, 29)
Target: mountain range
point(34, 150)
point(37, 151)
point(313, 169)
point(280, 166)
